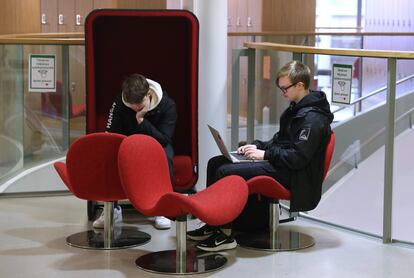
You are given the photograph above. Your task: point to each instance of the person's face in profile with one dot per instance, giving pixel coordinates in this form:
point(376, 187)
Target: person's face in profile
point(288, 89)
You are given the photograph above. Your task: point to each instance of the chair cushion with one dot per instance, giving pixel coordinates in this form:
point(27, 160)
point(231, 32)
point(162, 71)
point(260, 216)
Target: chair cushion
point(216, 205)
point(143, 169)
point(269, 187)
point(63, 173)
point(91, 169)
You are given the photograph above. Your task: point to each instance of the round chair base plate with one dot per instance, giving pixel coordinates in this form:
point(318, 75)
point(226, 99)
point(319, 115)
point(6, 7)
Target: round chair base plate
point(94, 239)
point(164, 262)
point(281, 240)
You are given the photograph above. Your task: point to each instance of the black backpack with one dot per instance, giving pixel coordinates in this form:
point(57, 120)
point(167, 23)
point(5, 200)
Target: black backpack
point(255, 215)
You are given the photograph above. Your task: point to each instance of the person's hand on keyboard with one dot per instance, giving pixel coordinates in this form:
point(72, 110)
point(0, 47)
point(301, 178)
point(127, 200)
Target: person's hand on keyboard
point(242, 149)
point(254, 153)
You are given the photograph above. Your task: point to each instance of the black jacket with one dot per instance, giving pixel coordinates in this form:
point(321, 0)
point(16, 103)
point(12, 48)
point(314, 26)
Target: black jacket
point(298, 149)
point(158, 123)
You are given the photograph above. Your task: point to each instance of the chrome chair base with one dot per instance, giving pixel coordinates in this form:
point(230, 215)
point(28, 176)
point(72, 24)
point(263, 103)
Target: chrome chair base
point(283, 239)
point(164, 262)
point(94, 239)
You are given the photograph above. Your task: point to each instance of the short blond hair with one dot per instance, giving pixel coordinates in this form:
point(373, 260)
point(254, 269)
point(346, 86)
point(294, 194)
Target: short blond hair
point(297, 72)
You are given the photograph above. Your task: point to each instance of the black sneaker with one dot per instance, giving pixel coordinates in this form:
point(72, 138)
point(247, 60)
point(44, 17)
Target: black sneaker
point(201, 233)
point(219, 241)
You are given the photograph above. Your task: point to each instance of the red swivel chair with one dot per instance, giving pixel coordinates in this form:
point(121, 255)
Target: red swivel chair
point(279, 238)
point(144, 174)
point(91, 173)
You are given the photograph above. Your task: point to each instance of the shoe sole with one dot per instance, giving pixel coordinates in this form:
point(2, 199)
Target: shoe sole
point(199, 238)
point(221, 247)
point(162, 228)
point(102, 226)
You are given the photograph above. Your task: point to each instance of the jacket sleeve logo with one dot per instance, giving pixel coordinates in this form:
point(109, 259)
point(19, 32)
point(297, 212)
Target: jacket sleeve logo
point(304, 134)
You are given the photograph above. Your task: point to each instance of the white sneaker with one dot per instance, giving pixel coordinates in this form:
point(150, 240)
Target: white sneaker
point(100, 222)
point(162, 223)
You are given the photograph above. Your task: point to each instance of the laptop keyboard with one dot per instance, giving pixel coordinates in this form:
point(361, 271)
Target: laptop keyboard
point(239, 156)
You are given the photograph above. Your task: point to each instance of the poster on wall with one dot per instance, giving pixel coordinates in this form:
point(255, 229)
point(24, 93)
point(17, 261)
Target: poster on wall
point(341, 83)
point(42, 73)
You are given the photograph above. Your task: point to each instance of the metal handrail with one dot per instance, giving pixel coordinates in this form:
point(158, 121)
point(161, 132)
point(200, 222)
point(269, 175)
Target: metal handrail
point(372, 94)
point(405, 114)
point(313, 33)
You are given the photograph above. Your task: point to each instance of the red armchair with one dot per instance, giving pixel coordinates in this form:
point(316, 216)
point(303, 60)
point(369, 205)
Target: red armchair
point(279, 238)
point(91, 173)
point(144, 174)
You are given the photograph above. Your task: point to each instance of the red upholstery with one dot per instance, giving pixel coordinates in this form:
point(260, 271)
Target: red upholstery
point(175, 67)
point(52, 104)
point(78, 110)
point(270, 187)
point(91, 169)
point(328, 154)
point(183, 172)
point(143, 170)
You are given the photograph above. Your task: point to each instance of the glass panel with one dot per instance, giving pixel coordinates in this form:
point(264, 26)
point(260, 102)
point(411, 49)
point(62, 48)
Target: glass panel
point(77, 89)
point(353, 190)
point(11, 112)
point(44, 119)
point(403, 191)
point(36, 127)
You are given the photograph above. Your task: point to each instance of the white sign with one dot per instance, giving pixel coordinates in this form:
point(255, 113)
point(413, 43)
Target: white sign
point(42, 73)
point(341, 83)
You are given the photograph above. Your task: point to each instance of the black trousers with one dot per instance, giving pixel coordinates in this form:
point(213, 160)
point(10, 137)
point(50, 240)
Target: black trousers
point(255, 215)
point(169, 151)
point(219, 167)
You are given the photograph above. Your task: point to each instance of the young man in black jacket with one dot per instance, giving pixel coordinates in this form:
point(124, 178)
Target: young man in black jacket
point(294, 156)
point(143, 108)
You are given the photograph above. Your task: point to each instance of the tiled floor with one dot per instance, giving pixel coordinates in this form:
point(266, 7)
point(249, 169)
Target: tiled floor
point(33, 231)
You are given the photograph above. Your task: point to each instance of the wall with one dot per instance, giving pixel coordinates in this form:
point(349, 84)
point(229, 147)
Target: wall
point(12, 13)
point(293, 15)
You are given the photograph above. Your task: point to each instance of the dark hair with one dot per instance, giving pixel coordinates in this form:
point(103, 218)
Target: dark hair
point(297, 72)
point(134, 88)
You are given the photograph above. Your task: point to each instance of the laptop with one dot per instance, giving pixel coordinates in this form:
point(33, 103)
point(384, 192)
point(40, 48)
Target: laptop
point(232, 156)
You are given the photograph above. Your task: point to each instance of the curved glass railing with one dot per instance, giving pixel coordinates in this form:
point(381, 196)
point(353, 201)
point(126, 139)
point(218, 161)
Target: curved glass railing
point(37, 123)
